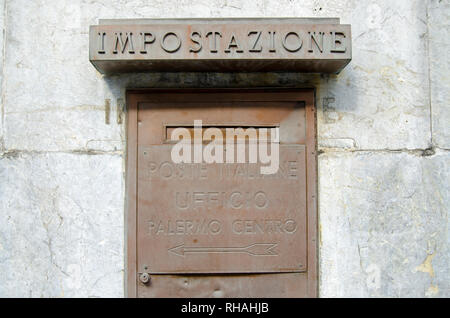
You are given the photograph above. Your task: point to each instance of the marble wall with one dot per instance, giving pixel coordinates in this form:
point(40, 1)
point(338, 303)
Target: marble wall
point(383, 138)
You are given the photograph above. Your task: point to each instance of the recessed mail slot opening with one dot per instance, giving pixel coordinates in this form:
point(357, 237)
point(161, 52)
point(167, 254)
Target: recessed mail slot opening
point(236, 132)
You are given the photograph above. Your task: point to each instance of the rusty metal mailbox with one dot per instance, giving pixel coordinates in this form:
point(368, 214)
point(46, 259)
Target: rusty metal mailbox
point(199, 229)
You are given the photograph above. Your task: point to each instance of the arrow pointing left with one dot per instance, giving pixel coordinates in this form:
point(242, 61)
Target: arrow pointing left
point(256, 249)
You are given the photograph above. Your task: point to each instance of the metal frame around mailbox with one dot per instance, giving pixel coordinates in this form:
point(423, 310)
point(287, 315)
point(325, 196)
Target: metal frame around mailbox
point(136, 96)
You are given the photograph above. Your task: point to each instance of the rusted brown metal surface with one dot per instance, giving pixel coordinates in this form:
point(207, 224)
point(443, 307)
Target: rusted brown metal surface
point(225, 45)
point(205, 230)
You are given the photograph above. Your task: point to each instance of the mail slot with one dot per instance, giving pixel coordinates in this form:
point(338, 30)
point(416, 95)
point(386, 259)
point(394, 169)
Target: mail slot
point(242, 224)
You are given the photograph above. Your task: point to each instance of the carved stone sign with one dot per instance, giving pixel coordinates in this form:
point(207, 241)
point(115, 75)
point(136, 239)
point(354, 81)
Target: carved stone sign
point(306, 45)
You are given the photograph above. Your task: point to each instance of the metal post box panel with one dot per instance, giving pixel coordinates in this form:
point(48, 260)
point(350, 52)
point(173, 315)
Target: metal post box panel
point(210, 226)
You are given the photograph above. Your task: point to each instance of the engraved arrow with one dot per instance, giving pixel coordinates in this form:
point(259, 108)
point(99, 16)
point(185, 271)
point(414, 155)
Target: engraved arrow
point(256, 249)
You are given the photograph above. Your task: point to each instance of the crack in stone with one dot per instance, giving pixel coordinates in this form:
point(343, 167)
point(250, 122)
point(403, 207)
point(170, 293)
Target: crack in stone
point(15, 153)
point(416, 152)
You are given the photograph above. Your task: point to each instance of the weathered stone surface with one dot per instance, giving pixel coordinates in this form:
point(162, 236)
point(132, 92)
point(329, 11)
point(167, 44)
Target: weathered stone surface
point(384, 224)
point(384, 90)
point(81, 128)
point(54, 100)
point(381, 212)
point(2, 43)
point(61, 225)
point(439, 41)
